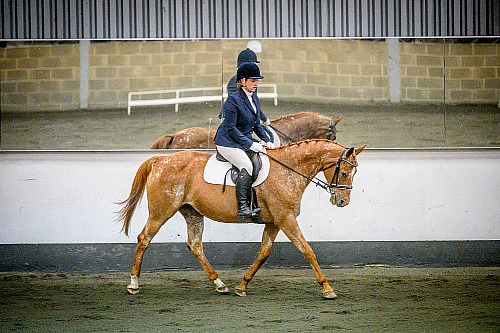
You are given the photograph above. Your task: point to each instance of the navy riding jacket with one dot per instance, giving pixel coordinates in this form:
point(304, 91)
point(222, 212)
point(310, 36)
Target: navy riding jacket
point(231, 86)
point(240, 121)
point(231, 89)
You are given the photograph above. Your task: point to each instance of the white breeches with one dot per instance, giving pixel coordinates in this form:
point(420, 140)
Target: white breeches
point(236, 157)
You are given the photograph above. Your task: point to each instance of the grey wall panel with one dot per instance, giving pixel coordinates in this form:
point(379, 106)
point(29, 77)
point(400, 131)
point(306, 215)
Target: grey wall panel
point(110, 19)
point(102, 258)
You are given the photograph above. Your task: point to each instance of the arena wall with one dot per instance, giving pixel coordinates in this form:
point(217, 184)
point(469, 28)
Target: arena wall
point(46, 76)
point(408, 207)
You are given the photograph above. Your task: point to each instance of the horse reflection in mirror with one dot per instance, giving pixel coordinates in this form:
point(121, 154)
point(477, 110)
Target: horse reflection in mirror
point(290, 128)
point(175, 183)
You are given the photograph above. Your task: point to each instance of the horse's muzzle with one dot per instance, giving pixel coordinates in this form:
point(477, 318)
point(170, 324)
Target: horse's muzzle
point(339, 200)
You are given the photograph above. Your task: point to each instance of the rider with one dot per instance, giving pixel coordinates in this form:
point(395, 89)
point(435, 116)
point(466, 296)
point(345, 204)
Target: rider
point(246, 55)
point(234, 135)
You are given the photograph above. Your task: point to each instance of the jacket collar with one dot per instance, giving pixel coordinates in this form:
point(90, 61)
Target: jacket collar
point(247, 101)
point(253, 96)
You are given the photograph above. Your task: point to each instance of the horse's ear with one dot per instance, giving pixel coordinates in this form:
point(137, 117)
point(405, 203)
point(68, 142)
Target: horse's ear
point(336, 121)
point(360, 149)
point(349, 152)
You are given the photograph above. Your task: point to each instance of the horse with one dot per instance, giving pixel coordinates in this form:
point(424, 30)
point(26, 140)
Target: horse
point(300, 126)
point(175, 183)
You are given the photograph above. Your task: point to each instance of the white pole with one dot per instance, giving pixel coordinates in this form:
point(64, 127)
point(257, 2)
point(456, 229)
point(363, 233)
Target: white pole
point(394, 70)
point(84, 74)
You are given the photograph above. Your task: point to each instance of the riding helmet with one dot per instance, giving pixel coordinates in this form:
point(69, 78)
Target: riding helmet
point(248, 70)
point(247, 55)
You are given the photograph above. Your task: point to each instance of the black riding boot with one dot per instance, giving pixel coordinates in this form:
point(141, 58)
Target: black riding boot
point(243, 195)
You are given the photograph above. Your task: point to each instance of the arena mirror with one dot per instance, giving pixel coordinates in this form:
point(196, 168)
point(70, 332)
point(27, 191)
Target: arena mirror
point(389, 92)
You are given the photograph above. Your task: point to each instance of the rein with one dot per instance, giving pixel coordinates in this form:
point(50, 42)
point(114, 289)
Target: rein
point(318, 182)
point(330, 132)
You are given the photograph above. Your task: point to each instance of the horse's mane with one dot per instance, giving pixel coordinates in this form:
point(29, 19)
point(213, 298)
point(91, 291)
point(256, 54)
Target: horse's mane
point(299, 114)
point(306, 142)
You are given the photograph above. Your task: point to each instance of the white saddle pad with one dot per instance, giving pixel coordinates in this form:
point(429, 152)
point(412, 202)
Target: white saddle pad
point(277, 141)
point(215, 171)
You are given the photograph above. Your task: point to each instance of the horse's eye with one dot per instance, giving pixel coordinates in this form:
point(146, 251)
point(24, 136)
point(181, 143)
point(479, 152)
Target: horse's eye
point(344, 174)
point(334, 138)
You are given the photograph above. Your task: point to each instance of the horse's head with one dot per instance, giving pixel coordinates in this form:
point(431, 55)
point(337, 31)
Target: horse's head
point(326, 129)
point(339, 173)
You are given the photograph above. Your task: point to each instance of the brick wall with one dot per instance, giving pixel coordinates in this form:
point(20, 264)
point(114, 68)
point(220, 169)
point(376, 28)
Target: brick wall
point(46, 76)
point(321, 69)
point(472, 72)
point(421, 66)
point(41, 77)
point(119, 67)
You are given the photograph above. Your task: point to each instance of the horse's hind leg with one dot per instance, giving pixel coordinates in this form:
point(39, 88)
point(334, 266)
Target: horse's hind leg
point(268, 237)
point(195, 226)
point(293, 232)
point(143, 240)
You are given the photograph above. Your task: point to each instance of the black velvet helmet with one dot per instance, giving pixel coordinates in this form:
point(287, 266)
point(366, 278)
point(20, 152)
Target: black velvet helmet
point(248, 70)
point(247, 55)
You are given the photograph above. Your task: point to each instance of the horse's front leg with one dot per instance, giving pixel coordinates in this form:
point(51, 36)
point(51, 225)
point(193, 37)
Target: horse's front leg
point(268, 237)
point(195, 226)
point(291, 229)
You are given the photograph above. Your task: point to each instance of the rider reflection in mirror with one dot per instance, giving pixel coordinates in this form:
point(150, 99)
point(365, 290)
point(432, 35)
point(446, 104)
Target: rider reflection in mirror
point(247, 55)
point(234, 135)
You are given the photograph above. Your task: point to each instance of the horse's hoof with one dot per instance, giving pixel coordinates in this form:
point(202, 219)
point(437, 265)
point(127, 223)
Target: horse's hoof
point(240, 292)
point(329, 295)
point(223, 290)
point(133, 291)
point(220, 287)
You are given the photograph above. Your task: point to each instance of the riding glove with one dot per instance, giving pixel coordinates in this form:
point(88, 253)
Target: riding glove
point(267, 122)
point(257, 147)
point(270, 145)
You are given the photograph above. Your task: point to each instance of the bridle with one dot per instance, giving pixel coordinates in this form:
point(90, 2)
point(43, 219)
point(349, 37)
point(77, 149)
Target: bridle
point(334, 183)
point(330, 136)
point(330, 131)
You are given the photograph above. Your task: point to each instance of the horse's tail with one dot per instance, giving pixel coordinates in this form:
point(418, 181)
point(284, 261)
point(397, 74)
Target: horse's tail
point(136, 193)
point(163, 142)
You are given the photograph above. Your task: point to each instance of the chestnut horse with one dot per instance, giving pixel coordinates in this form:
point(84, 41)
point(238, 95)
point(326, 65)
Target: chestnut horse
point(175, 183)
point(290, 128)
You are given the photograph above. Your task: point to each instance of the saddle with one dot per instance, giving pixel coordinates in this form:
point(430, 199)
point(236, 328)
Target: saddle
point(256, 165)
